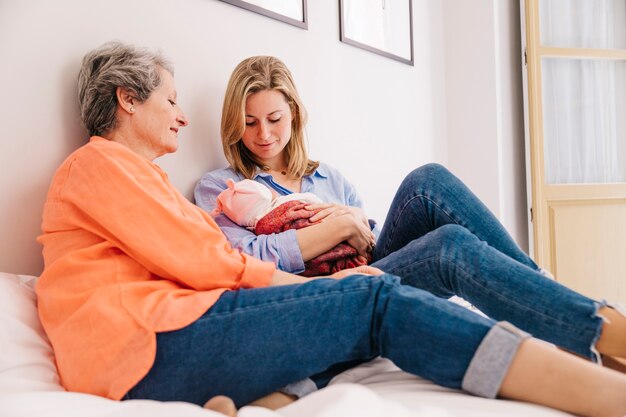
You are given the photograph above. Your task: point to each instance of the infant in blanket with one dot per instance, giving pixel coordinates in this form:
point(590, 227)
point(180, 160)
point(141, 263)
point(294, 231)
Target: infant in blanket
point(247, 201)
point(252, 205)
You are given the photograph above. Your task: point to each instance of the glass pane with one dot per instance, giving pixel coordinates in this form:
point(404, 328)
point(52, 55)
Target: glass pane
point(583, 23)
point(584, 119)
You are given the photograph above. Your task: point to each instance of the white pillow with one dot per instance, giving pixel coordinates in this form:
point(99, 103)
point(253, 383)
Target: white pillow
point(26, 359)
point(29, 382)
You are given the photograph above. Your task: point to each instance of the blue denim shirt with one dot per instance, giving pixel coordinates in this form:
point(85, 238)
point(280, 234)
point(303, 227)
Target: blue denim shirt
point(281, 248)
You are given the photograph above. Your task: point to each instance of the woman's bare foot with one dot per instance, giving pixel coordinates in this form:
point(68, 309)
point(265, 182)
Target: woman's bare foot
point(222, 404)
point(274, 400)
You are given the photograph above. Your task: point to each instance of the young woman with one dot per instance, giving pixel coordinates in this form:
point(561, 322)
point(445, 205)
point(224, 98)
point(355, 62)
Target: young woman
point(437, 237)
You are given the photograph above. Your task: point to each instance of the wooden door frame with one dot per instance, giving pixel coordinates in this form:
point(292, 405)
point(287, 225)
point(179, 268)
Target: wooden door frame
point(541, 193)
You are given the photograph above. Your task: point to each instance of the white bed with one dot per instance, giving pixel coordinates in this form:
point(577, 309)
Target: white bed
point(29, 384)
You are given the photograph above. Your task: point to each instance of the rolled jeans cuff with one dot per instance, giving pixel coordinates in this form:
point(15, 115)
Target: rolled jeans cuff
point(492, 360)
point(299, 389)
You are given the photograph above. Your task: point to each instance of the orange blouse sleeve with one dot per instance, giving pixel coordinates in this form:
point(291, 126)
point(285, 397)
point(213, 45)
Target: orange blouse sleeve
point(129, 202)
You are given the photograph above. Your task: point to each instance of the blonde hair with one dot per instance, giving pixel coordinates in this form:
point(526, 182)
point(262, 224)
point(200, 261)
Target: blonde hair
point(254, 74)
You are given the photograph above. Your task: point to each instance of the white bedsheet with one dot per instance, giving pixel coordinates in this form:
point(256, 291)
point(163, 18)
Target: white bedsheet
point(29, 384)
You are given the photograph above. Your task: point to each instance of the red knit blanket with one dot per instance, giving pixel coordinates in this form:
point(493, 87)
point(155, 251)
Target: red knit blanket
point(292, 215)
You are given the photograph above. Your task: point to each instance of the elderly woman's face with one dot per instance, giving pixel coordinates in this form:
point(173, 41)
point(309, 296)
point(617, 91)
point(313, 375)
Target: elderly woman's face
point(157, 120)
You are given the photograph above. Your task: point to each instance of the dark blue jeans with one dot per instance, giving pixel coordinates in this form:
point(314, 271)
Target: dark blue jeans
point(438, 236)
point(255, 341)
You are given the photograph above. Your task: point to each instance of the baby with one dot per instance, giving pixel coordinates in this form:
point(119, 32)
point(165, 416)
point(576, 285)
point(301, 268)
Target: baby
point(247, 201)
point(252, 205)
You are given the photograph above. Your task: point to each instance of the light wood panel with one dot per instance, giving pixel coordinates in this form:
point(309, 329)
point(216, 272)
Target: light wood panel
point(588, 253)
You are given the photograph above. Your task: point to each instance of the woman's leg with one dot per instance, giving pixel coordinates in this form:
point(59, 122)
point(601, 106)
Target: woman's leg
point(453, 261)
point(545, 375)
point(612, 342)
point(253, 342)
point(430, 197)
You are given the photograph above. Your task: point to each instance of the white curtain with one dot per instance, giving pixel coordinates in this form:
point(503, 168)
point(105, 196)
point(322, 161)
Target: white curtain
point(583, 99)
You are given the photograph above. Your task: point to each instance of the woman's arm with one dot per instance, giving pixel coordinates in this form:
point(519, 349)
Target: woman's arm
point(285, 278)
point(112, 195)
point(332, 230)
point(288, 250)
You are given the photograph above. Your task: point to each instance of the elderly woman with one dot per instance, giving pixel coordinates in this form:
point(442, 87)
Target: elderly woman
point(142, 296)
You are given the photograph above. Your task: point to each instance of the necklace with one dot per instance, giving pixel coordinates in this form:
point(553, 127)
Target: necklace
point(267, 169)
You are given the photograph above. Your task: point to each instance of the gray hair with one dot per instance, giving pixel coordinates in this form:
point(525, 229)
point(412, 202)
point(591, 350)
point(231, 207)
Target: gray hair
point(113, 65)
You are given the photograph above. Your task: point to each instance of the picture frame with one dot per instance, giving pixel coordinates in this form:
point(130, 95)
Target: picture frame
point(293, 12)
point(384, 27)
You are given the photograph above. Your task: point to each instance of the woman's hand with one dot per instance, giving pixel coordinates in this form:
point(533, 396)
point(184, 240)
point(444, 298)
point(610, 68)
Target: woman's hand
point(361, 237)
point(359, 270)
point(286, 278)
point(332, 209)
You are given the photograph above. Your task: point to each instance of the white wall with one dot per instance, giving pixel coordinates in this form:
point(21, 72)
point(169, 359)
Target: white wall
point(484, 105)
point(374, 118)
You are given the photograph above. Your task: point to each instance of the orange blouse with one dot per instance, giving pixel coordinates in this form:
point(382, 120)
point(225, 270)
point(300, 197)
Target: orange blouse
point(126, 256)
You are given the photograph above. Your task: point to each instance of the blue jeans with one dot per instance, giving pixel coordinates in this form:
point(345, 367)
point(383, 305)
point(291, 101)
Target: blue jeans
point(438, 236)
point(255, 341)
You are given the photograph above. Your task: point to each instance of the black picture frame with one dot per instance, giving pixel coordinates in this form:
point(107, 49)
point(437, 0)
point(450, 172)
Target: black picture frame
point(274, 14)
point(407, 57)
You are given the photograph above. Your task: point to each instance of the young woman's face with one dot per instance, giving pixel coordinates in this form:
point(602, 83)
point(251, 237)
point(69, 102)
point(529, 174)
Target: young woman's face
point(268, 126)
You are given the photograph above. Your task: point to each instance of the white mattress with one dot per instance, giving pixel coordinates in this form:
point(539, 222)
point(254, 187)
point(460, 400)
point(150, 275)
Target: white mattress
point(29, 384)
